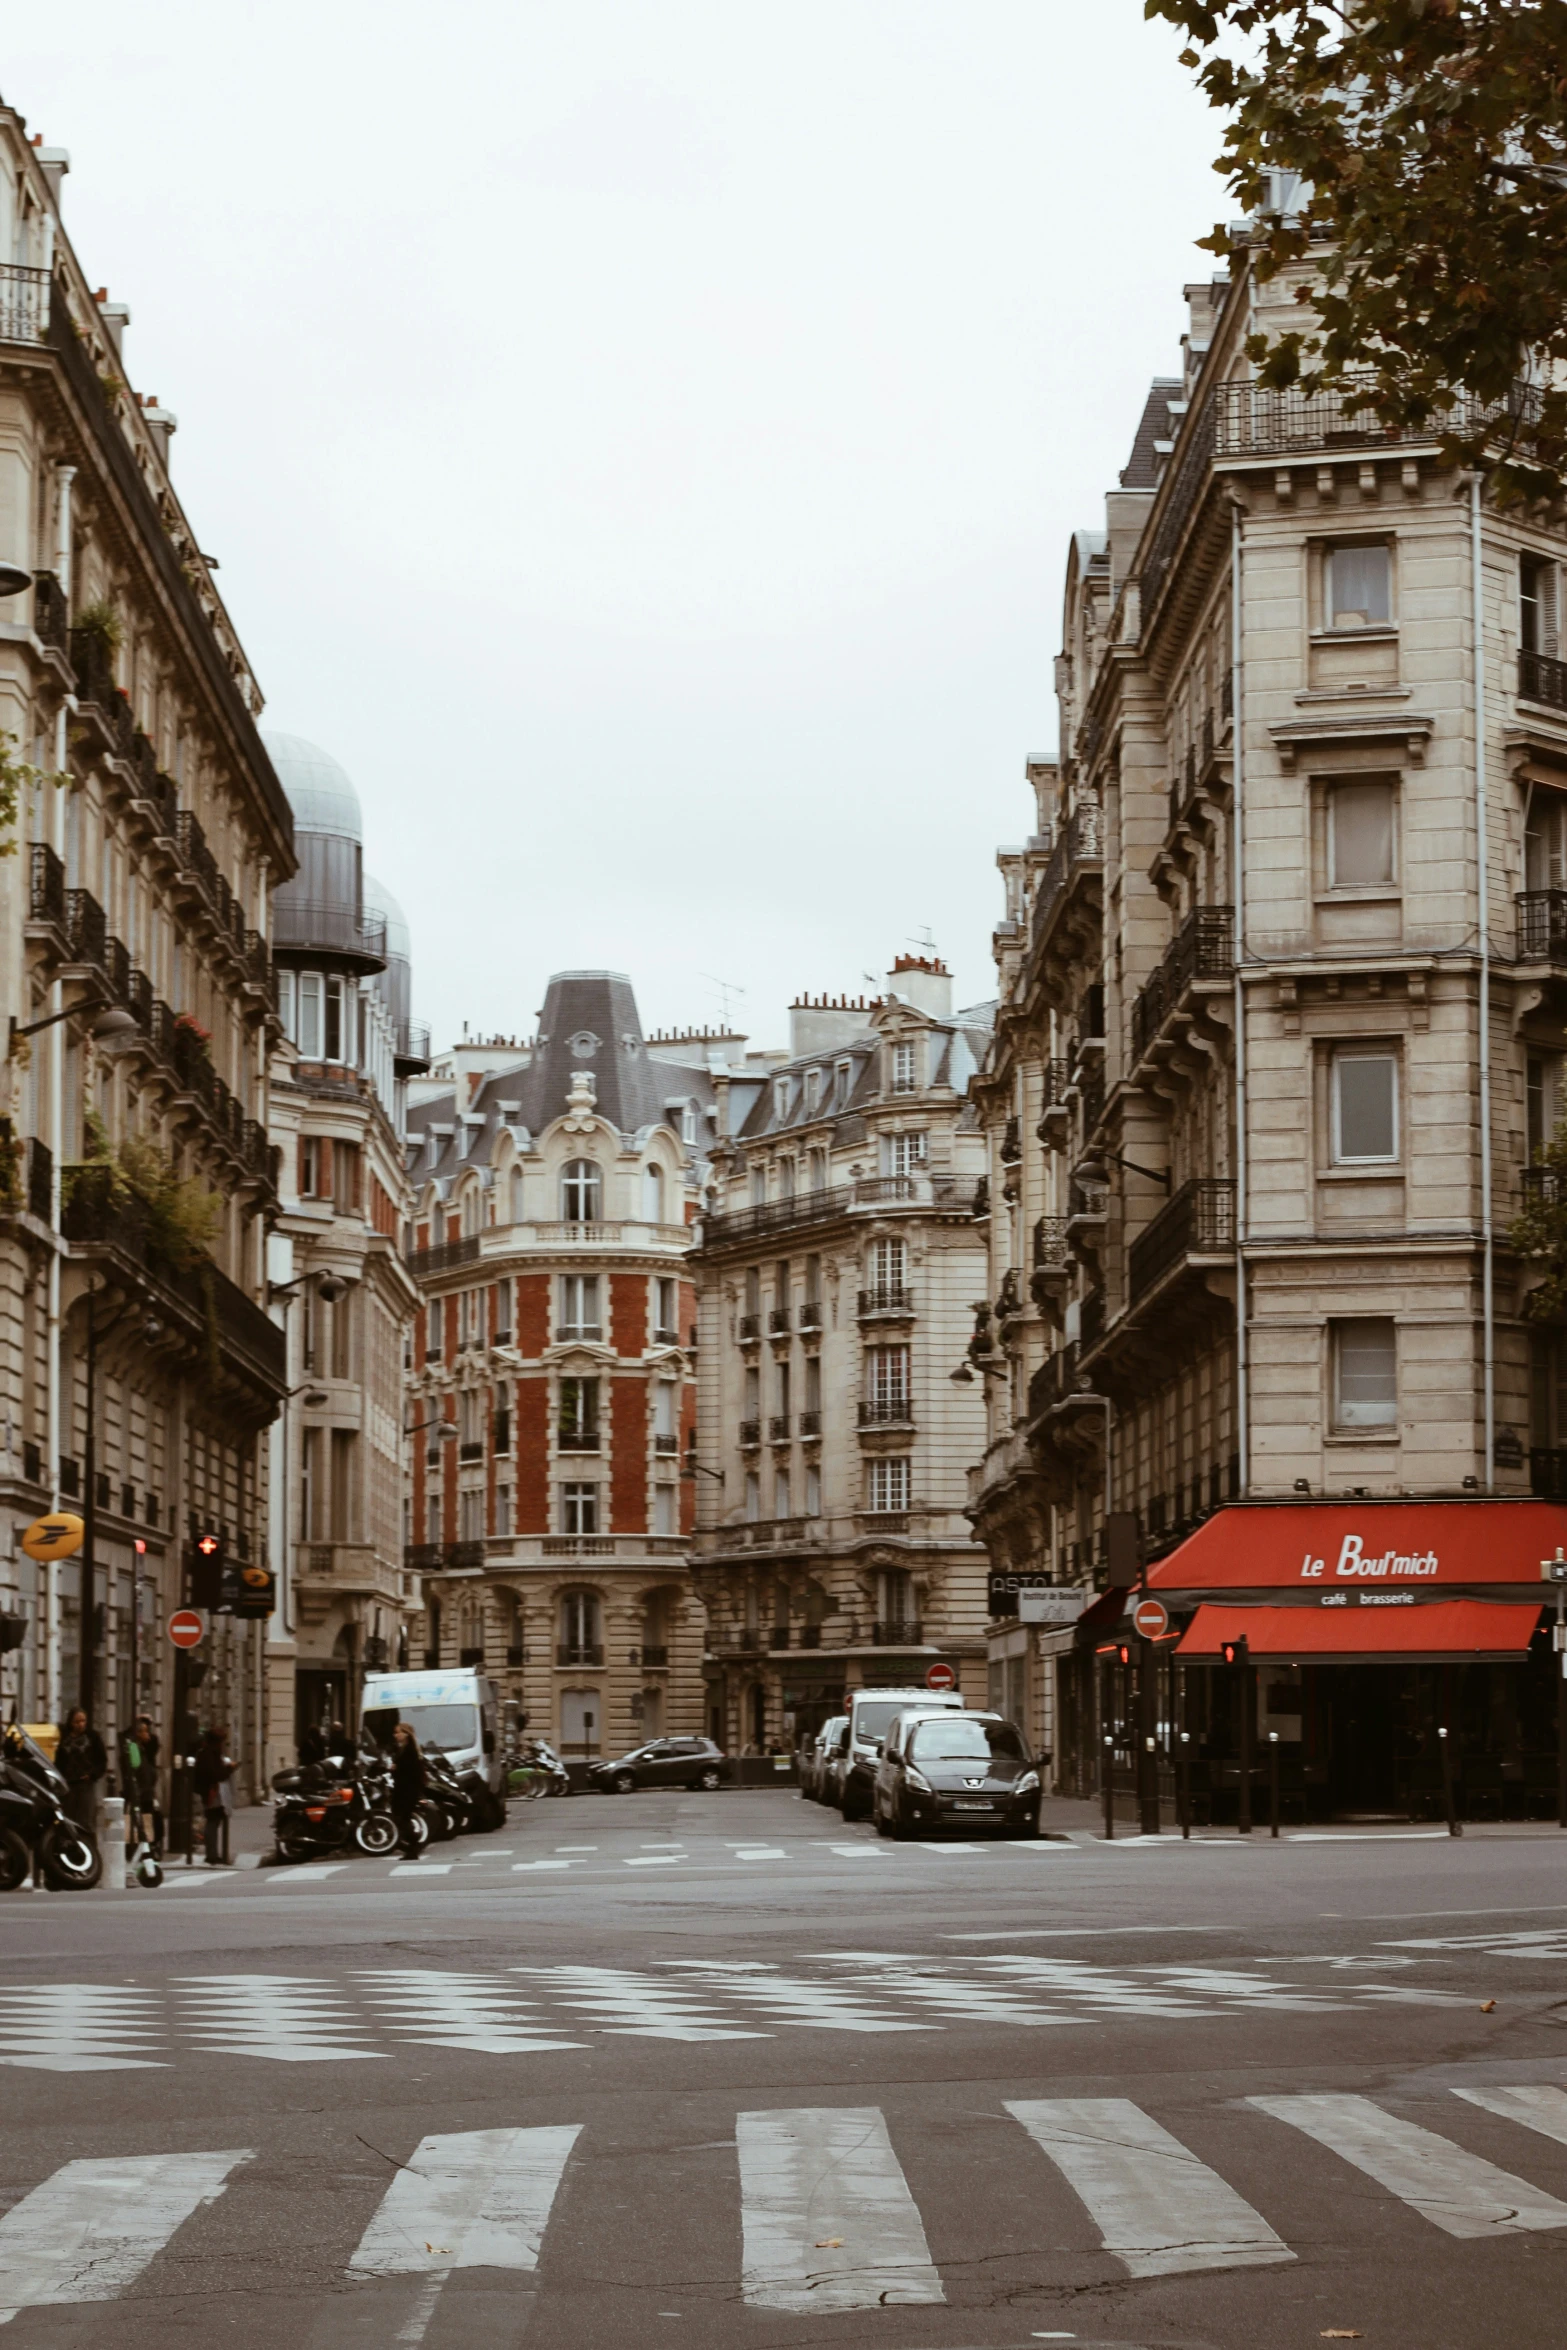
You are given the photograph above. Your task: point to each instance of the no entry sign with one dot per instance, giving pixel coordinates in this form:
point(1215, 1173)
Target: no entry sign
point(1152, 1618)
point(186, 1627)
point(941, 1677)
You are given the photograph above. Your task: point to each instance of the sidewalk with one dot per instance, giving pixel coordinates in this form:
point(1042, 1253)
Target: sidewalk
point(1080, 1820)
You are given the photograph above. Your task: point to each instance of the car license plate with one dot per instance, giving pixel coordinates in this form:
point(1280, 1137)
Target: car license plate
point(960, 1805)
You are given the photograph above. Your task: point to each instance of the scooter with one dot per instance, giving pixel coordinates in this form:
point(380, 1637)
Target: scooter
point(448, 1804)
point(37, 1833)
point(537, 1770)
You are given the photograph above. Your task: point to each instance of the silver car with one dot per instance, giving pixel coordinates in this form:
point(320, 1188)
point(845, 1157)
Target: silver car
point(813, 1759)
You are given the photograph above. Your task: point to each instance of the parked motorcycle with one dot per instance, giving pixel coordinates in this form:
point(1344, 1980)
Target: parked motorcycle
point(323, 1807)
point(537, 1770)
point(36, 1830)
point(448, 1805)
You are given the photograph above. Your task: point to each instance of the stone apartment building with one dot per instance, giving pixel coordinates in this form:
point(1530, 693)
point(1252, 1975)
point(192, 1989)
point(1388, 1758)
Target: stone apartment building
point(550, 1402)
point(839, 1259)
point(139, 1369)
point(1254, 1148)
point(339, 1083)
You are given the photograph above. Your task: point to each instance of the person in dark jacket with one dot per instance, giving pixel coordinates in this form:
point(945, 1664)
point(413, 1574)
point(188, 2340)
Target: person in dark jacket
point(338, 1746)
point(139, 1783)
point(312, 1745)
point(83, 1765)
point(212, 1774)
point(408, 1785)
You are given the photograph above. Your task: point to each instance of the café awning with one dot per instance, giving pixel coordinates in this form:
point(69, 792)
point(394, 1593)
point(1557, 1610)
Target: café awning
point(1443, 1631)
point(1351, 1546)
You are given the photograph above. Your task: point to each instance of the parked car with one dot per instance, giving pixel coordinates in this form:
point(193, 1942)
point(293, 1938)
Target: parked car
point(812, 1761)
point(956, 1770)
point(665, 1762)
point(870, 1711)
point(835, 1764)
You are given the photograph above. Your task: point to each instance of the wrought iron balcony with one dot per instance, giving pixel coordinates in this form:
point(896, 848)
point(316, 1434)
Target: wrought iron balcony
point(1051, 1253)
point(1011, 1143)
point(750, 1433)
point(1548, 1472)
point(1080, 844)
point(422, 1558)
point(46, 887)
point(897, 1632)
point(472, 1450)
point(778, 1428)
point(666, 1444)
point(577, 1440)
point(1542, 678)
point(655, 1653)
point(886, 1411)
point(750, 1327)
point(1199, 1221)
point(300, 925)
point(579, 1652)
point(445, 1257)
point(1542, 925)
point(1091, 1319)
point(1203, 948)
point(778, 1321)
point(1088, 1201)
point(24, 304)
point(886, 1298)
point(810, 1313)
point(810, 1423)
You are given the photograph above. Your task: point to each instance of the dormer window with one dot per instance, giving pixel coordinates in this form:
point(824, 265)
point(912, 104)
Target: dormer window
point(905, 1075)
point(688, 1124)
point(781, 1099)
point(845, 1081)
point(813, 1092)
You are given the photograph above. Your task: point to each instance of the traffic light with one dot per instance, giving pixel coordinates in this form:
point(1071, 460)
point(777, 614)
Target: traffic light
point(1124, 1652)
point(206, 1571)
point(1236, 1652)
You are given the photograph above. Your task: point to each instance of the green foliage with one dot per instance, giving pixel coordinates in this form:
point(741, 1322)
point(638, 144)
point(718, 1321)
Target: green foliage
point(1432, 138)
point(1539, 1234)
point(181, 1215)
point(16, 776)
point(102, 619)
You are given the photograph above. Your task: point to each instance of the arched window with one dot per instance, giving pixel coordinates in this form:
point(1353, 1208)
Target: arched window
point(437, 1225)
point(652, 1194)
point(471, 1206)
point(581, 1192)
point(516, 1195)
point(581, 1629)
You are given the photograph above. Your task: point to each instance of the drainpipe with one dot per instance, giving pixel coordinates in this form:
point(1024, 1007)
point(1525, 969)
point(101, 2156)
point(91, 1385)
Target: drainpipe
point(1238, 890)
point(1482, 856)
point(52, 1693)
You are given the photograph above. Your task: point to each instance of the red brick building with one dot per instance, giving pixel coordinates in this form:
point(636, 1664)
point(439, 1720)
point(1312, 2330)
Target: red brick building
point(549, 1388)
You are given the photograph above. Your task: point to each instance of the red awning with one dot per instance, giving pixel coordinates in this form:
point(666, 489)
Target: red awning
point(1353, 1546)
point(1462, 1630)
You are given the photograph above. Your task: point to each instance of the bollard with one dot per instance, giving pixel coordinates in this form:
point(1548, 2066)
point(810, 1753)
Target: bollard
point(111, 1842)
point(1454, 1825)
point(1183, 1783)
point(1273, 1783)
point(1110, 1790)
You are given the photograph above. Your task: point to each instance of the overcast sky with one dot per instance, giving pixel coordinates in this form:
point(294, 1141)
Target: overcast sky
point(640, 437)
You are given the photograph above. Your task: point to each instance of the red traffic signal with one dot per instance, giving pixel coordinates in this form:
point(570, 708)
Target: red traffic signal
point(1236, 1652)
point(209, 1545)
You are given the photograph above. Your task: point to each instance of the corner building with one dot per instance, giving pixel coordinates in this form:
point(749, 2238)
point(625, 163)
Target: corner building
point(839, 1258)
point(139, 1368)
point(1283, 971)
point(549, 1395)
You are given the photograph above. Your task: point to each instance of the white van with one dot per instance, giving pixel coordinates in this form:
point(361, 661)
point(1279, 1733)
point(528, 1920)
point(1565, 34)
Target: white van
point(870, 1710)
point(454, 1713)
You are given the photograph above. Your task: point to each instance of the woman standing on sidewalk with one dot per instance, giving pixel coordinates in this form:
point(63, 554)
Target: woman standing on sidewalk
point(408, 1785)
point(82, 1764)
point(213, 1774)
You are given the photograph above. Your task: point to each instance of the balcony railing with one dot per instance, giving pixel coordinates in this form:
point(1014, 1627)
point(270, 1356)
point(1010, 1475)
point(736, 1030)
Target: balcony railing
point(45, 886)
point(51, 613)
point(1542, 678)
point(24, 303)
point(1198, 1221)
point(1542, 1187)
point(666, 1444)
point(778, 1428)
point(92, 1216)
point(422, 1558)
point(886, 1411)
point(86, 927)
point(810, 1423)
point(750, 1432)
point(579, 1652)
point(655, 1653)
point(750, 1327)
point(1057, 1076)
point(412, 1044)
point(778, 1321)
point(953, 1194)
point(40, 1180)
point(810, 1313)
point(1252, 422)
point(1011, 1143)
point(471, 1450)
point(1088, 1201)
point(1091, 1319)
point(897, 1632)
point(886, 1298)
point(1203, 948)
point(446, 1256)
point(303, 923)
point(1542, 925)
point(1081, 843)
point(578, 1440)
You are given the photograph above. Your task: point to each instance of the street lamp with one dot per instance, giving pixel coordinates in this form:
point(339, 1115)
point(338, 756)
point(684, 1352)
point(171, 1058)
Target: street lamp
point(108, 1019)
point(13, 579)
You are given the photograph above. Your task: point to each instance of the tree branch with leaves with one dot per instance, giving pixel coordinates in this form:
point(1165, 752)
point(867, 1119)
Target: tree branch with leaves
point(1429, 141)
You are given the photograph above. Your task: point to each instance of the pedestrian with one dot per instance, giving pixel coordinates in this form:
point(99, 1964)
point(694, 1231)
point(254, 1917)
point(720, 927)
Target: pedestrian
point(139, 1751)
point(408, 1785)
point(214, 1774)
point(83, 1765)
point(337, 1747)
point(312, 1745)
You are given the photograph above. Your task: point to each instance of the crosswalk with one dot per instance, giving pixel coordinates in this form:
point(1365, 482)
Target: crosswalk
point(536, 2010)
point(828, 2218)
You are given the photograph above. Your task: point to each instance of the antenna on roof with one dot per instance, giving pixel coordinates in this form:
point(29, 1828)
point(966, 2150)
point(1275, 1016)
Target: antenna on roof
point(924, 939)
point(726, 988)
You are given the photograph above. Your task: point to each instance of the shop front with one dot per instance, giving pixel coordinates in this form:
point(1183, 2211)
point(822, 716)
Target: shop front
point(1365, 1660)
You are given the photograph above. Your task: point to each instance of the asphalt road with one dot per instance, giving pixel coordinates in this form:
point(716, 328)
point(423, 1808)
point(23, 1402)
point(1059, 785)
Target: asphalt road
point(718, 2071)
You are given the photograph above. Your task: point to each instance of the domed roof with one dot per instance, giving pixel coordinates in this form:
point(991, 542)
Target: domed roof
point(379, 900)
point(319, 791)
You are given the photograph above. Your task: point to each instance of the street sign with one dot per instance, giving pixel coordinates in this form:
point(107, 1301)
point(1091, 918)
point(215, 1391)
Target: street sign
point(54, 1537)
point(941, 1676)
point(1152, 1618)
point(186, 1627)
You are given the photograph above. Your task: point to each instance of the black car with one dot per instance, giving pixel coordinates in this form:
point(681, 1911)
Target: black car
point(666, 1762)
point(955, 1770)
